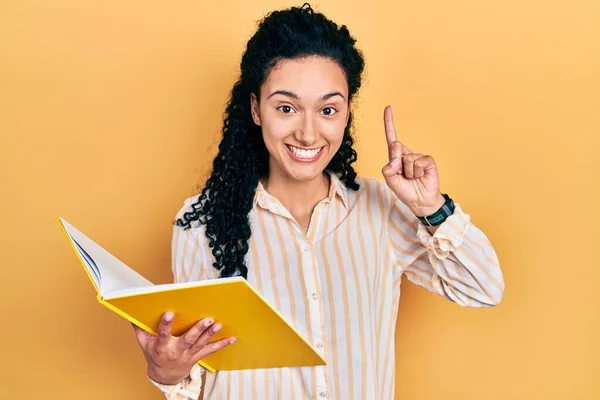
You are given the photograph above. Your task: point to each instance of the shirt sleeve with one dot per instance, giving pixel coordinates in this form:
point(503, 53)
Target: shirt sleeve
point(457, 262)
point(188, 389)
point(189, 261)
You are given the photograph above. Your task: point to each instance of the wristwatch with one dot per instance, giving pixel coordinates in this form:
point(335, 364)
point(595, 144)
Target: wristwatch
point(438, 217)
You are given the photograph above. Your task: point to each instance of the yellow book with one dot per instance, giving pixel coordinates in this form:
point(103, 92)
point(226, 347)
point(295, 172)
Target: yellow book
point(264, 338)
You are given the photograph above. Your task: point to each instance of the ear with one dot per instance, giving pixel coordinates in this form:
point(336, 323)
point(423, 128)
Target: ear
point(254, 109)
point(347, 117)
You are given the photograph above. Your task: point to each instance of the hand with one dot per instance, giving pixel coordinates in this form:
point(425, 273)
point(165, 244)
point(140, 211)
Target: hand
point(170, 359)
point(413, 177)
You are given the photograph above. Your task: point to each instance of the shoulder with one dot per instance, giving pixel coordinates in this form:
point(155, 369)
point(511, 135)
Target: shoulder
point(375, 190)
point(367, 182)
point(377, 194)
point(189, 205)
point(186, 226)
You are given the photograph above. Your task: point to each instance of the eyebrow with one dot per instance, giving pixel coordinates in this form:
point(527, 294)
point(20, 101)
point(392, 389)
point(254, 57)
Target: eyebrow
point(295, 96)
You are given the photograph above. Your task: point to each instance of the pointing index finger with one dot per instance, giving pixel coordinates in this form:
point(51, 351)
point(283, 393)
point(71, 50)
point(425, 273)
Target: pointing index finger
point(390, 134)
point(388, 122)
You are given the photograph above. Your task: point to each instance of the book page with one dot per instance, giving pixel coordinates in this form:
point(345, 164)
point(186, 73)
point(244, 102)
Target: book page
point(89, 262)
point(113, 274)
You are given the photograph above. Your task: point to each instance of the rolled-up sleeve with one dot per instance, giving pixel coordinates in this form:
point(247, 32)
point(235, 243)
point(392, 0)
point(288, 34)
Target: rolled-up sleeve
point(188, 389)
point(457, 262)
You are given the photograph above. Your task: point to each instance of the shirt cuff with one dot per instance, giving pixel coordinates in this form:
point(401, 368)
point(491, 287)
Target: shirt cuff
point(449, 235)
point(189, 388)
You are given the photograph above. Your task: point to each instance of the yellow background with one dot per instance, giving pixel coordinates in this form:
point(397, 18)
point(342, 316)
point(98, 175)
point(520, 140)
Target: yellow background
point(110, 113)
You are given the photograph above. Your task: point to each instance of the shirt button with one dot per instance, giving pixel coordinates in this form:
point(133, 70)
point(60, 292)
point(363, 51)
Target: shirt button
point(320, 345)
point(322, 394)
point(315, 296)
point(304, 249)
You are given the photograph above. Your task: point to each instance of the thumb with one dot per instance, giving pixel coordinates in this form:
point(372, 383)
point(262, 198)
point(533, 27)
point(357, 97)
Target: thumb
point(392, 168)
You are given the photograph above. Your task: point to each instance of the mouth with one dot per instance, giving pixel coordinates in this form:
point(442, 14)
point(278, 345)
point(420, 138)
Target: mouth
point(304, 155)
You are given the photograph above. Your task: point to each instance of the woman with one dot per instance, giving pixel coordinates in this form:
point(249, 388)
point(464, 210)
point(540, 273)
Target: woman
point(285, 209)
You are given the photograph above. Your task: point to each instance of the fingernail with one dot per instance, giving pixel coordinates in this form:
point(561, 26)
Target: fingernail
point(208, 322)
point(395, 162)
point(168, 316)
point(217, 328)
point(232, 341)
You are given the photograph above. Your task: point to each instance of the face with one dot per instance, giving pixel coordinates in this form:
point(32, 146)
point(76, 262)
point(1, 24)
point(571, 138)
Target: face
point(303, 112)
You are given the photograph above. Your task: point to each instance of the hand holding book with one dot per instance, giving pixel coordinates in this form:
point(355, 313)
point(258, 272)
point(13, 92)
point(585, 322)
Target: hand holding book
point(171, 358)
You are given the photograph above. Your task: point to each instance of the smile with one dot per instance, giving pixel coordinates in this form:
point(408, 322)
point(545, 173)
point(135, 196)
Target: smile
point(305, 155)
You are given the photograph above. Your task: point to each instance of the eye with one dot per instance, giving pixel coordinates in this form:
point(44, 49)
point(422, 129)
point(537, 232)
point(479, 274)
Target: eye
point(329, 111)
point(285, 109)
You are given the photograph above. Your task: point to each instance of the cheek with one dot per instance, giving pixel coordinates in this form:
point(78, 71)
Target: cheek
point(334, 134)
point(273, 133)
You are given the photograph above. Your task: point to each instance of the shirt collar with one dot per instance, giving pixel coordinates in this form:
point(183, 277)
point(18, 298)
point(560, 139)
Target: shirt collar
point(336, 188)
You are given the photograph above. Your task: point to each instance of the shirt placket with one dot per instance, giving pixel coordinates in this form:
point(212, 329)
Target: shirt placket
point(315, 303)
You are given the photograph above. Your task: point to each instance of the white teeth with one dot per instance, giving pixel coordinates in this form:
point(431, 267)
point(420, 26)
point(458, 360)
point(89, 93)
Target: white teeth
point(308, 154)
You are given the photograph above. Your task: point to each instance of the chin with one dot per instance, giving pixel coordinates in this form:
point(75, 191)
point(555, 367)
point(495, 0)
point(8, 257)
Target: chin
point(305, 174)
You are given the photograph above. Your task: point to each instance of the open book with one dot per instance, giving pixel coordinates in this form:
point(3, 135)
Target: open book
point(264, 338)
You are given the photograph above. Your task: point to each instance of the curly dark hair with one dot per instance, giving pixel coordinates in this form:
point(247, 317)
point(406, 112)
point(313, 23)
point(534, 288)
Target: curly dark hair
point(228, 196)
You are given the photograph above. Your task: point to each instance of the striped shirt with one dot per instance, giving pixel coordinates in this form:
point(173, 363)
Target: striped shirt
point(338, 284)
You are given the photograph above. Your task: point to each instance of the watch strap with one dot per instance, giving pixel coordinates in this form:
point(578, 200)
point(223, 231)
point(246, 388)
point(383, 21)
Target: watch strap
point(438, 217)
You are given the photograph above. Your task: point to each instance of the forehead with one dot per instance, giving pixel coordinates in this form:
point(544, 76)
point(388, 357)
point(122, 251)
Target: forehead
point(309, 77)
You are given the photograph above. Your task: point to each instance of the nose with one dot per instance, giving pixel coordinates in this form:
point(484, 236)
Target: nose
point(307, 133)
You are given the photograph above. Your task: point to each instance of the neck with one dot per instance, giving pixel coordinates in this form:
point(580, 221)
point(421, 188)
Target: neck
point(298, 197)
